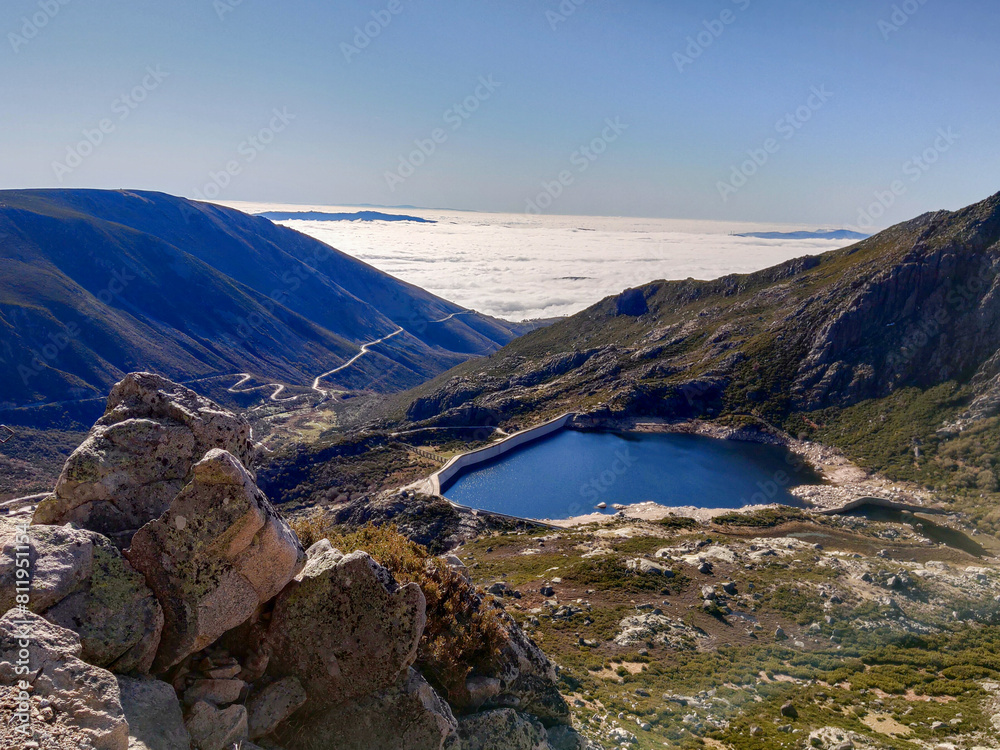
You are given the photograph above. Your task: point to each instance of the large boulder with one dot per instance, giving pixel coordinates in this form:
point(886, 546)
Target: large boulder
point(154, 715)
point(217, 553)
point(80, 580)
point(408, 715)
point(345, 628)
point(85, 700)
point(502, 729)
point(139, 455)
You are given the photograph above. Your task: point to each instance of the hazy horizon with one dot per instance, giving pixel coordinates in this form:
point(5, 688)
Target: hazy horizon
point(735, 110)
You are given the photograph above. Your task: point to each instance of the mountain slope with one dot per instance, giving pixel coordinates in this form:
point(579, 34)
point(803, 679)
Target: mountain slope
point(94, 284)
point(882, 347)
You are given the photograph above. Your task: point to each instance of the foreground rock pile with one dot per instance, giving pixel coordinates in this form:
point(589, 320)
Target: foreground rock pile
point(172, 608)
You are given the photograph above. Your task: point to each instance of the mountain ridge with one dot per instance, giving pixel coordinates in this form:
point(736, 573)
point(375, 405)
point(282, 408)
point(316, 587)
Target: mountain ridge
point(99, 283)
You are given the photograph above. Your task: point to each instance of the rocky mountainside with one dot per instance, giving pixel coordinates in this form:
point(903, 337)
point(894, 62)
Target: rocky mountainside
point(169, 606)
point(94, 284)
point(889, 348)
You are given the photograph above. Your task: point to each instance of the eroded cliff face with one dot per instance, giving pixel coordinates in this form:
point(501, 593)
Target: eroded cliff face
point(213, 626)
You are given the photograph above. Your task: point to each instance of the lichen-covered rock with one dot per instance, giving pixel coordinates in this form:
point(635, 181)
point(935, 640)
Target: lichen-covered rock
point(345, 628)
point(80, 581)
point(155, 721)
point(407, 716)
point(139, 455)
point(272, 705)
point(85, 698)
point(212, 728)
point(502, 729)
point(528, 678)
point(218, 552)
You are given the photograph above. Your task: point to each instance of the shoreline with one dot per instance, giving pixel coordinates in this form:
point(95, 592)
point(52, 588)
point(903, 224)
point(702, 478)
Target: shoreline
point(845, 486)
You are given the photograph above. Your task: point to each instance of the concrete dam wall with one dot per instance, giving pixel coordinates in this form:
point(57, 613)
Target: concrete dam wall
point(455, 466)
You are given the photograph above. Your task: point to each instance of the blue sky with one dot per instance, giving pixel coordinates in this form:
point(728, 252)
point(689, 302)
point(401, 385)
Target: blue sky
point(675, 109)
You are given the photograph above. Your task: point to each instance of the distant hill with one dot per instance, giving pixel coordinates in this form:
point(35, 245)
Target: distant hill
point(833, 234)
point(356, 216)
point(95, 284)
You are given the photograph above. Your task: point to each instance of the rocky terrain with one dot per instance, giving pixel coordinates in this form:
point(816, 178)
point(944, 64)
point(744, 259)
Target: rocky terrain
point(765, 630)
point(158, 600)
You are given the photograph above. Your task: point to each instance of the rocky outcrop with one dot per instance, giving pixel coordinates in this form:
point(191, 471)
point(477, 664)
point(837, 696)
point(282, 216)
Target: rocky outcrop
point(154, 715)
point(254, 638)
point(502, 729)
point(86, 709)
point(80, 581)
point(528, 679)
point(408, 715)
point(430, 521)
point(217, 553)
point(344, 627)
point(139, 455)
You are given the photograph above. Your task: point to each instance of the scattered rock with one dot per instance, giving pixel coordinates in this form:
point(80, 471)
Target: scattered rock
point(216, 692)
point(779, 634)
point(218, 552)
point(623, 736)
point(789, 711)
point(213, 728)
point(272, 705)
point(155, 721)
point(656, 629)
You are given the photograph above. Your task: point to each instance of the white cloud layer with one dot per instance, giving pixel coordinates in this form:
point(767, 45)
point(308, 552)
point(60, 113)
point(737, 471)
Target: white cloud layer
point(518, 266)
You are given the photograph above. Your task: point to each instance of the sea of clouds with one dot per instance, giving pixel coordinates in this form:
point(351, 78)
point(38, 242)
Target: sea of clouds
point(520, 266)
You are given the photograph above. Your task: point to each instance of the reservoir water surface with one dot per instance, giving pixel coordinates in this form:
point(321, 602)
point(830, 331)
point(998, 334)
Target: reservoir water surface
point(570, 473)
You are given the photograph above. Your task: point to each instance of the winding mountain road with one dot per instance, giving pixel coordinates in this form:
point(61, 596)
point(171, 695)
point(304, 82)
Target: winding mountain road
point(364, 350)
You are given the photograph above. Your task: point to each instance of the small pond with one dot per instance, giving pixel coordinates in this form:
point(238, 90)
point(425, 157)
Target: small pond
point(572, 472)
